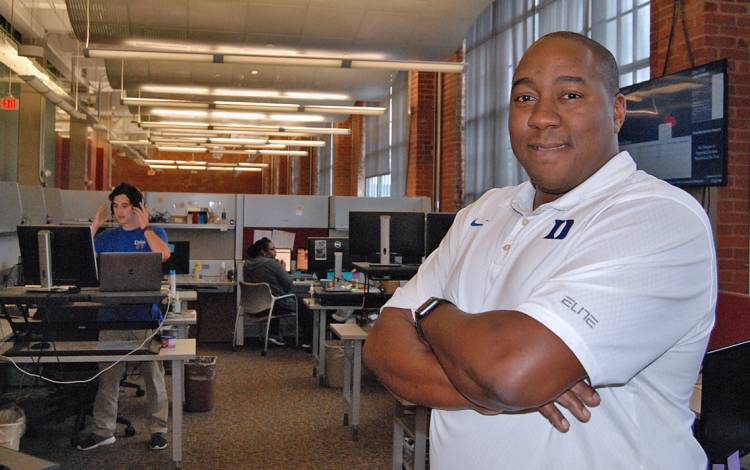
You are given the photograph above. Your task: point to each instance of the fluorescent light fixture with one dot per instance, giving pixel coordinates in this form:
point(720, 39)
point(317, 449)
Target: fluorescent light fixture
point(180, 141)
point(257, 165)
point(221, 168)
point(409, 66)
point(164, 167)
point(150, 102)
point(291, 153)
point(181, 149)
point(121, 54)
point(185, 113)
point(223, 164)
point(363, 110)
point(266, 59)
point(283, 60)
point(160, 162)
point(299, 143)
point(190, 162)
point(238, 141)
point(182, 90)
point(274, 107)
point(297, 117)
point(302, 95)
point(175, 124)
point(191, 167)
point(129, 142)
point(238, 168)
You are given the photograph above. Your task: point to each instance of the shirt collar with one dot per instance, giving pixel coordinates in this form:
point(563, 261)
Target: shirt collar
point(616, 170)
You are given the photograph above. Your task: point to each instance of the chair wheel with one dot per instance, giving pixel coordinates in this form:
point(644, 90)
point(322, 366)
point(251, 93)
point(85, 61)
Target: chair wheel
point(140, 393)
point(129, 431)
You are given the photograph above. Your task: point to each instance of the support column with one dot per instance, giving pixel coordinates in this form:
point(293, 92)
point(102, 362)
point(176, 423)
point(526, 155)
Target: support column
point(31, 136)
point(77, 171)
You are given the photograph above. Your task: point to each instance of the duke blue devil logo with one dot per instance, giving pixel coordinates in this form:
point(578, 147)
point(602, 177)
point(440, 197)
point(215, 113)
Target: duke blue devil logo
point(560, 230)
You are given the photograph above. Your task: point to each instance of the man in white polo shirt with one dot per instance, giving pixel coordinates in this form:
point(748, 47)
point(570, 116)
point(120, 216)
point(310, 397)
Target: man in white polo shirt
point(591, 271)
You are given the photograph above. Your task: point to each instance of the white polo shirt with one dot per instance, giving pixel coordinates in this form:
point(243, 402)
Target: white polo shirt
point(622, 268)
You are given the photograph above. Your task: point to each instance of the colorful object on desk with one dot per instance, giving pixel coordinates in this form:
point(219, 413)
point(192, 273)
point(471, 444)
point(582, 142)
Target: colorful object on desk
point(168, 342)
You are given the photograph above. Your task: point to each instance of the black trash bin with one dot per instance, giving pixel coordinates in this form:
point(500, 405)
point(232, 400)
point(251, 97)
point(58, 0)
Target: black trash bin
point(200, 375)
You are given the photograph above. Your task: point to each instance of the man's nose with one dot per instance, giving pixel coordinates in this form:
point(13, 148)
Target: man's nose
point(544, 114)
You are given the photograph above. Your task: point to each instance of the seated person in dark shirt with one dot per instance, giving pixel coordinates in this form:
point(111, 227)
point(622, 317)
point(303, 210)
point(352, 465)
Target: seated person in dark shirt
point(262, 266)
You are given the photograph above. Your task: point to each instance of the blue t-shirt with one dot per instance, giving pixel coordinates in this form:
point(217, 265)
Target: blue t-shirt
point(121, 240)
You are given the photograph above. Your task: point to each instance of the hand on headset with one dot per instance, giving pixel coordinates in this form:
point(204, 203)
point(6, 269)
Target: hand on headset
point(141, 213)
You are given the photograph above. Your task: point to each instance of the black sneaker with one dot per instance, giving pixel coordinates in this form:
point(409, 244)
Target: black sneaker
point(158, 441)
point(92, 441)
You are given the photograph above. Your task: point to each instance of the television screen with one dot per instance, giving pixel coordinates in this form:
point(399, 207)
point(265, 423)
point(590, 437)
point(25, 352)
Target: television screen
point(676, 125)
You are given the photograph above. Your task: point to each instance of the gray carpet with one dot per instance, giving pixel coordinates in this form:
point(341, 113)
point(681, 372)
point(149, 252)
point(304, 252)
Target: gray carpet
point(269, 413)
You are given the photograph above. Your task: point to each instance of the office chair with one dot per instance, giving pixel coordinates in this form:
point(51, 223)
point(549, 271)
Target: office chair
point(724, 424)
point(257, 306)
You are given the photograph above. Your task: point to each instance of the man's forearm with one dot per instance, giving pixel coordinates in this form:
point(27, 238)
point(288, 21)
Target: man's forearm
point(501, 360)
point(407, 366)
point(156, 244)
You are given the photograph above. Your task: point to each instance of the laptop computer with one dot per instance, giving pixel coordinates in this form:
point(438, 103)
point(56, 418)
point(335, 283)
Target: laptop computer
point(121, 272)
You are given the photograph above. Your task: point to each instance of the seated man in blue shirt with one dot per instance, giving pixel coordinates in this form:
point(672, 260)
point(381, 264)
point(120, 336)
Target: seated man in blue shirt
point(133, 235)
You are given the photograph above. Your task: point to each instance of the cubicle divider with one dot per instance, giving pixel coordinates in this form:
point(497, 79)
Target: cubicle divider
point(300, 237)
point(285, 211)
point(54, 205)
point(79, 205)
point(32, 205)
point(11, 215)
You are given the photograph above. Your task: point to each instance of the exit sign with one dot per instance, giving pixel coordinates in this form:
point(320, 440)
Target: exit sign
point(9, 103)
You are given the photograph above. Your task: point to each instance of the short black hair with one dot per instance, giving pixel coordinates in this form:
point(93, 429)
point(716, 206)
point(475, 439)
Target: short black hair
point(135, 196)
point(257, 248)
point(607, 65)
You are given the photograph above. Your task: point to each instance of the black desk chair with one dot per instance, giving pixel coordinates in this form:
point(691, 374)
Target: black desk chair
point(724, 424)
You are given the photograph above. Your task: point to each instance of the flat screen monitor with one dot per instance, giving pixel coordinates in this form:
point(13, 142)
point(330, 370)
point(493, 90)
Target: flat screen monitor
point(676, 125)
point(406, 235)
point(179, 260)
point(436, 225)
point(284, 255)
point(321, 258)
point(301, 259)
point(73, 256)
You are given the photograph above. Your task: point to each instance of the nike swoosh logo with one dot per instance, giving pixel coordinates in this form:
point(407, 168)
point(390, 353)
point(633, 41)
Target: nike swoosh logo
point(475, 223)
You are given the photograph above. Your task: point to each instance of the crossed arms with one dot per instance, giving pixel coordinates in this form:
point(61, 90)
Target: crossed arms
point(493, 362)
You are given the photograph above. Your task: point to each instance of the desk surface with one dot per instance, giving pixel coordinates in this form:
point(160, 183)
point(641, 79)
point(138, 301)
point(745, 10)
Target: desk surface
point(188, 280)
point(348, 331)
point(87, 294)
point(184, 349)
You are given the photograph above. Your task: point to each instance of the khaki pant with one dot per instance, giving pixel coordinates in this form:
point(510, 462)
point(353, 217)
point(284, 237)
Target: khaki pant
point(105, 405)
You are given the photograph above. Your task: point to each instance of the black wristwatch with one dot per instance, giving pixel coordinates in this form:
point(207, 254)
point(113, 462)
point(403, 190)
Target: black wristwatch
point(425, 309)
point(147, 228)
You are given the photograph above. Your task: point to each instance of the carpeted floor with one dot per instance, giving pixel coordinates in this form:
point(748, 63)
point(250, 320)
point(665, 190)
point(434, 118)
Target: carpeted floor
point(269, 413)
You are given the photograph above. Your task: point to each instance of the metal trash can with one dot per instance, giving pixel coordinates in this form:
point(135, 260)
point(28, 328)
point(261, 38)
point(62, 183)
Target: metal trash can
point(12, 426)
point(200, 375)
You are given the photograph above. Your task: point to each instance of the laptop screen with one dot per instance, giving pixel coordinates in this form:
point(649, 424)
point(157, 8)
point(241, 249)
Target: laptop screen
point(285, 256)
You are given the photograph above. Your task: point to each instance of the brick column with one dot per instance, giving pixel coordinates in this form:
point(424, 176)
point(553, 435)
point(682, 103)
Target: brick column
point(451, 143)
point(718, 29)
point(348, 159)
point(420, 168)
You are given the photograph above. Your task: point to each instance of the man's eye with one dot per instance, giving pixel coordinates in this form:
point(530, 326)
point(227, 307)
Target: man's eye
point(571, 96)
point(524, 98)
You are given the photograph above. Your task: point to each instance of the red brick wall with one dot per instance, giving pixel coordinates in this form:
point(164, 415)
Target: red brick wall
point(718, 29)
point(451, 142)
point(419, 175)
point(125, 169)
point(348, 159)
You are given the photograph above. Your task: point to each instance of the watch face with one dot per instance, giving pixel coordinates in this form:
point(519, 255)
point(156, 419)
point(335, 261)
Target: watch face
point(428, 306)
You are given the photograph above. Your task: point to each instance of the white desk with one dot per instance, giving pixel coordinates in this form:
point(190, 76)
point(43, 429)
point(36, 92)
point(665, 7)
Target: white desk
point(183, 350)
point(353, 336)
point(418, 430)
point(181, 322)
point(320, 312)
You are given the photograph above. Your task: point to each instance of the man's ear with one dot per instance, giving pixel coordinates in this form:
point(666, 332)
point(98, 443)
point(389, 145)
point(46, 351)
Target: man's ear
point(620, 109)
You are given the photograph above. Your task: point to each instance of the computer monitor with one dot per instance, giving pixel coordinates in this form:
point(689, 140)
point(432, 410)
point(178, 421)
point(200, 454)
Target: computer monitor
point(285, 256)
point(321, 257)
point(179, 261)
point(406, 236)
point(301, 259)
point(73, 258)
point(436, 225)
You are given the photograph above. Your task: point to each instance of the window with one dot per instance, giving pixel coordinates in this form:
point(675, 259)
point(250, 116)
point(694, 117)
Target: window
point(378, 186)
point(497, 42)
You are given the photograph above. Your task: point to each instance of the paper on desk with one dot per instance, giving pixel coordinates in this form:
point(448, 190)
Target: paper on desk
point(282, 239)
point(258, 234)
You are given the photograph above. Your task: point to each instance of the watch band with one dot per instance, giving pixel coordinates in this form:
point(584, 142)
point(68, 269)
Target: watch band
point(147, 228)
point(424, 310)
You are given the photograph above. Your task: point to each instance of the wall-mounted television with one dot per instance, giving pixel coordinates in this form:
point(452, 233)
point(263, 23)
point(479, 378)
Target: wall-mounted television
point(676, 125)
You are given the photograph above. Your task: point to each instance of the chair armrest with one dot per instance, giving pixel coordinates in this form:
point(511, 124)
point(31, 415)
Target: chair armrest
point(285, 296)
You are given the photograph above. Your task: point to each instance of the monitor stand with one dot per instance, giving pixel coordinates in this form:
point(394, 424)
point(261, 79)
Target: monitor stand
point(45, 266)
point(385, 239)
